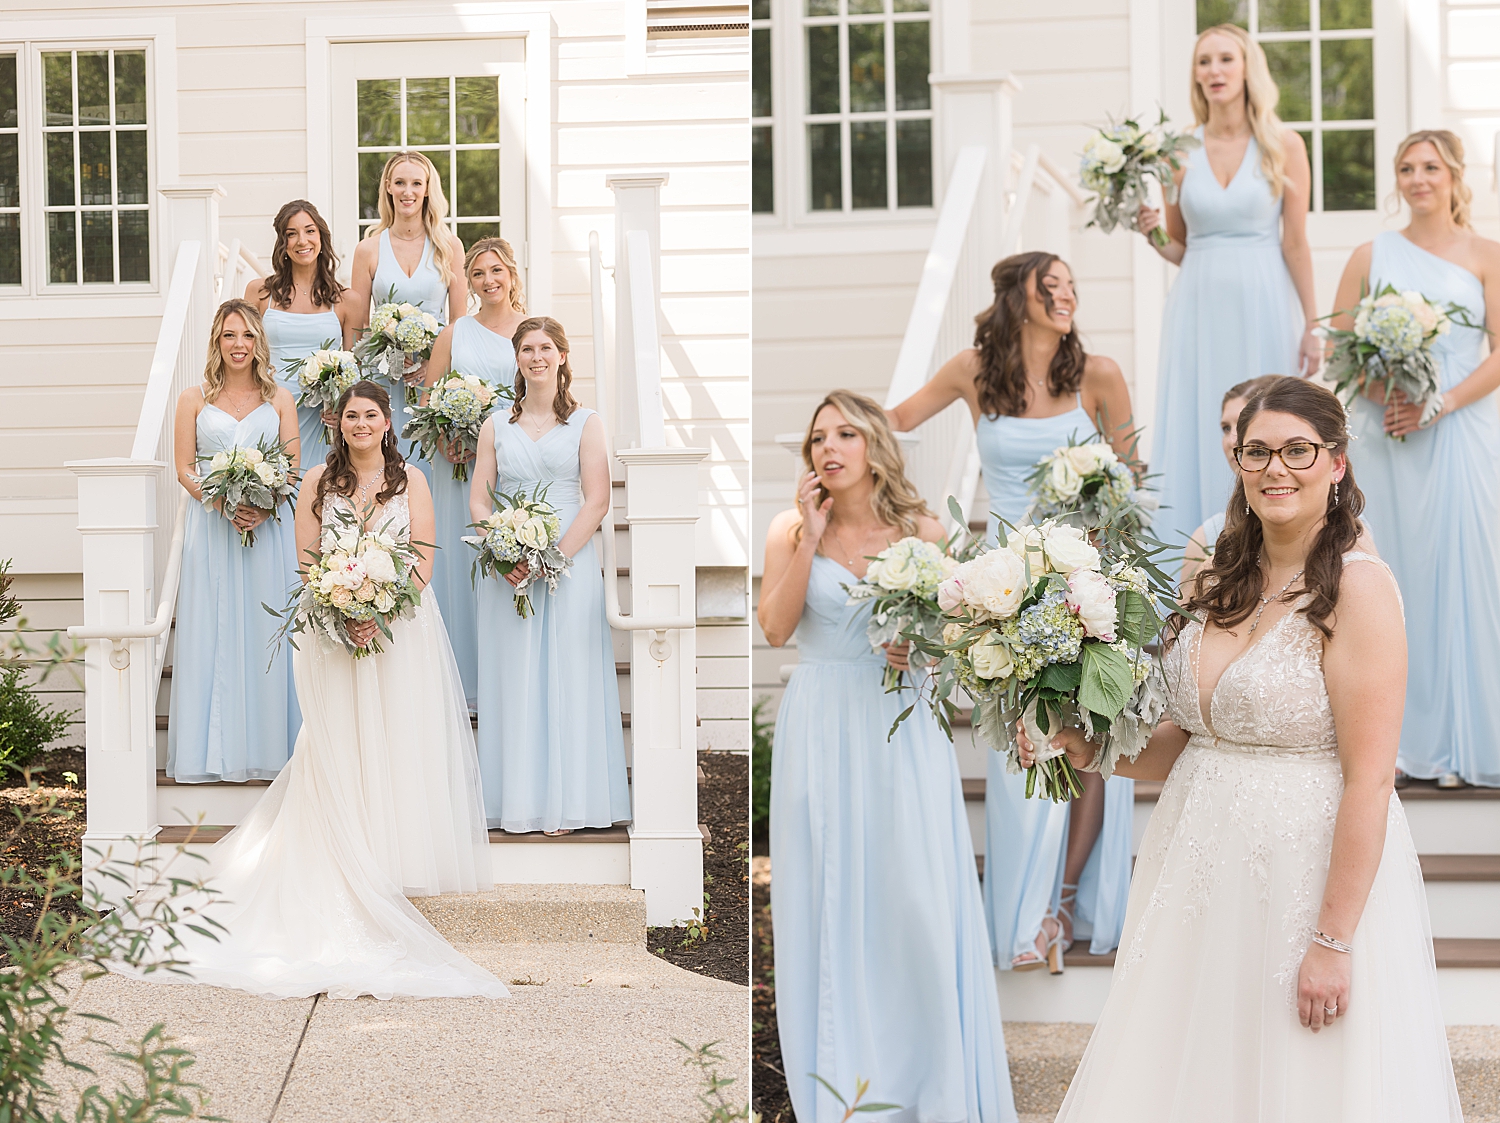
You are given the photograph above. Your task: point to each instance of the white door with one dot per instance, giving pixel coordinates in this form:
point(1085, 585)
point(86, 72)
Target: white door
point(459, 102)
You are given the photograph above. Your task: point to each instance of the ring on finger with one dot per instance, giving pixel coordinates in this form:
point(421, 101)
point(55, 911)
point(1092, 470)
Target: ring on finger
point(1331, 1012)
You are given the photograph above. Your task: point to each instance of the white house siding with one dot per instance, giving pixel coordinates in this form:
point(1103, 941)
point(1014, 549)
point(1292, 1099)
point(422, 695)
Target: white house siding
point(72, 385)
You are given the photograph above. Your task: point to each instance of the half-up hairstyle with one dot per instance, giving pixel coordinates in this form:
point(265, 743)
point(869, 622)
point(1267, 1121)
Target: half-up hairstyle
point(1001, 381)
point(1249, 388)
point(1261, 96)
point(1451, 151)
point(260, 354)
point(434, 211)
point(894, 499)
point(1228, 589)
point(326, 289)
point(501, 249)
point(340, 478)
point(563, 403)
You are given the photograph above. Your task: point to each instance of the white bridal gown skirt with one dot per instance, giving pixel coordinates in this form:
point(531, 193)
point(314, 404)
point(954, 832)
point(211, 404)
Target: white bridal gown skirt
point(379, 802)
point(1201, 1021)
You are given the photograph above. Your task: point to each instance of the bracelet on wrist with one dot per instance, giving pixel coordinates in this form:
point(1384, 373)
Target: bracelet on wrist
point(1329, 942)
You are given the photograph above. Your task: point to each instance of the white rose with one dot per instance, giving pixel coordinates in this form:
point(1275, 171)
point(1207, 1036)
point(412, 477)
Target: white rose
point(253, 456)
point(994, 583)
point(379, 565)
point(951, 632)
point(1093, 598)
point(1089, 459)
point(328, 582)
point(384, 602)
point(532, 533)
point(219, 462)
point(322, 358)
point(430, 321)
point(1025, 542)
point(347, 540)
point(518, 517)
point(1063, 479)
point(1151, 141)
point(1068, 548)
point(991, 660)
point(266, 473)
point(405, 310)
point(895, 572)
point(1108, 155)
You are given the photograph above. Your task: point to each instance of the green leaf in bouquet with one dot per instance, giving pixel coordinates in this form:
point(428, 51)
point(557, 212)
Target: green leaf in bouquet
point(1061, 677)
point(957, 512)
point(1136, 621)
point(1107, 681)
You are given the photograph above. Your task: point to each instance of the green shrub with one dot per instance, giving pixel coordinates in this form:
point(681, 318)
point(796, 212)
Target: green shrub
point(27, 724)
point(760, 766)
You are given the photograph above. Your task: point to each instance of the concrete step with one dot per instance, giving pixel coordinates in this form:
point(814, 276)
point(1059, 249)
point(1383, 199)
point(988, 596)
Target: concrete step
point(1044, 1056)
point(557, 913)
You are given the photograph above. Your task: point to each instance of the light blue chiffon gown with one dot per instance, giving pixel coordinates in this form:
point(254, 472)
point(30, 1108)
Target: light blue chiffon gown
point(551, 747)
point(1433, 505)
point(483, 354)
point(295, 335)
point(1232, 314)
point(425, 288)
point(1026, 840)
point(882, 965)
point(232, 716)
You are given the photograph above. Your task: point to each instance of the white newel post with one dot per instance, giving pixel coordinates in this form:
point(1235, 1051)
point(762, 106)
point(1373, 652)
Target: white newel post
point(666, 848)
point(117, 517)
point(637, 207)
point(192, 214)
point(970, 109)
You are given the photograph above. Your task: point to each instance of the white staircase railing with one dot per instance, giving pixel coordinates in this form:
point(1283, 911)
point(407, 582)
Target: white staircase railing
point(236, 265)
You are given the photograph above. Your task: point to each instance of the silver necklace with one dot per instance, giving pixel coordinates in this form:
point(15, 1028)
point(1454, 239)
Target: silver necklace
point(849, 559)
point(1267, 600)
point(364, 488)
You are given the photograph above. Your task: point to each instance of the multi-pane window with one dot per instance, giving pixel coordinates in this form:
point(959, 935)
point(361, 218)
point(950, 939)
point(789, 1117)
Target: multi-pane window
point(868, 107)
point(762, 165)
point(97, 206)
point(455, 123)
point(10, 175)
point(1322, 55)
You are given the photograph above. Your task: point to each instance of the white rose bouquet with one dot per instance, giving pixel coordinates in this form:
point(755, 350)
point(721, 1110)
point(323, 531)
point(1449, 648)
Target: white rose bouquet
point(522, 529)
point(399, 339)
point(1391, 343)
point(324, 376)
point(1117, 161)
point(902, 581)
point(456, 408)
point(355, 574)
point(258, 475)
point(1046, 632)
point(1090, 486)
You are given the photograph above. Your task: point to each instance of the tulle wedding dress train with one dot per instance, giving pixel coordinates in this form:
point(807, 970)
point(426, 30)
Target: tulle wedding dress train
point(1201, 1021)
point(379, 802)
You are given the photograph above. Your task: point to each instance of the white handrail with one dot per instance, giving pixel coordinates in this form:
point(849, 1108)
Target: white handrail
point(603, 388)
point(1017, 214)
point(647, 343)
point(922, 326)
point(1063, 180)
point(157, 401)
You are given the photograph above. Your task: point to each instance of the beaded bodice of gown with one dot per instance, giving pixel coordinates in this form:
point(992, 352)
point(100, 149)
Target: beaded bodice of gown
point(1244, 213)
point(394, 518)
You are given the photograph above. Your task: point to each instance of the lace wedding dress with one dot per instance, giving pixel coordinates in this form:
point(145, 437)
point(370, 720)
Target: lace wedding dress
point(379, 802)
point(1201, 1021)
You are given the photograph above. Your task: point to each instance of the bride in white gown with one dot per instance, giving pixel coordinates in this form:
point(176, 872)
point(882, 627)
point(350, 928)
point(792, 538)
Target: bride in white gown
point(380, 800)
point(1277, 960)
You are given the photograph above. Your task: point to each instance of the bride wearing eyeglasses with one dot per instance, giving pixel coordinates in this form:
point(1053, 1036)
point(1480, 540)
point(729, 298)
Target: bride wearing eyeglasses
point(1276, 962)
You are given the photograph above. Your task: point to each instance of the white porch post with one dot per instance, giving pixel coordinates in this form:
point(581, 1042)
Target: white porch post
point(970, 109)
point(666, 849)
point(637, 207)
point(117, 517)
point(192, 214)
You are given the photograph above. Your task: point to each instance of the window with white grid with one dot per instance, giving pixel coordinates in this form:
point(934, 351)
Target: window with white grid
point(10, 174)
point(762, 162)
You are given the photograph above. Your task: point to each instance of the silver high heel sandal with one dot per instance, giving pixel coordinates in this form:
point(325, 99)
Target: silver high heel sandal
point(1059, 947)
point(1049, 957)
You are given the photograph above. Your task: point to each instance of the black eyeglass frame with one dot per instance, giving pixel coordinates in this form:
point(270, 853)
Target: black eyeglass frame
point(1239, 451)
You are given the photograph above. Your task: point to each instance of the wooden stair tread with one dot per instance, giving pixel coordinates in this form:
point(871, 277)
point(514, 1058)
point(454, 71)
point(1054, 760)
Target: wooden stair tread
point(1149, 791)
point(1435, 867)
point(162, 720)
point(165, 781)
point(1450, 952)
point(209, 833)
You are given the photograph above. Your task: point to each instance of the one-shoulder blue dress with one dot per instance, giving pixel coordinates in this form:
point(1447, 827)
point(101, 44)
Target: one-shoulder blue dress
point(551, 746)
point(295, 335)
point(882, 965)
point(1026, 840)
point(1232, 314)
point(233, 709)
point(1433, 505)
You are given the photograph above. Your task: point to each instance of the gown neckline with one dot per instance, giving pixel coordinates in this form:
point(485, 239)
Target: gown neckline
point(1209, 163)
point(1439, 257)
point(232, 417)
point(390, 243)
point(1207, 719)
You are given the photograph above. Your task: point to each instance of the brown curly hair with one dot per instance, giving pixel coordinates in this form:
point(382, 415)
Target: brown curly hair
point(1001, 381)
point(340, 478)
point(326, 289)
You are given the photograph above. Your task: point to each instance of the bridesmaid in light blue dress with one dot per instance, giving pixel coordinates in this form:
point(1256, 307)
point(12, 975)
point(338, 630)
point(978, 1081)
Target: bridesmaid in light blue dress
point(882, 963)
point(1433, 502)
point(409, 250)
point(303, 308)
point(1053, 872)
point(551, 746)
point(479, 345)
point(232, 717)
point(1243, 304)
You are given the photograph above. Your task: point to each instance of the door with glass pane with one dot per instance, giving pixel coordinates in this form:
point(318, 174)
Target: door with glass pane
point(460, 103)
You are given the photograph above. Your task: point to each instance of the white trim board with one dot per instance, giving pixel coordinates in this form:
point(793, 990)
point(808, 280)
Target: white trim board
point(534, 25)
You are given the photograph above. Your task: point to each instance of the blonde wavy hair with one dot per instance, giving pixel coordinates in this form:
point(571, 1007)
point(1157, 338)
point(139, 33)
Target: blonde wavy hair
point(501, 249)
point(260, 358)
point(1451, 151)
point(434, 211)
point(1261, 96)
point(894, 500)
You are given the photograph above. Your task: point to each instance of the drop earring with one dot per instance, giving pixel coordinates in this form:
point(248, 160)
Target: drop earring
point(1335, 493)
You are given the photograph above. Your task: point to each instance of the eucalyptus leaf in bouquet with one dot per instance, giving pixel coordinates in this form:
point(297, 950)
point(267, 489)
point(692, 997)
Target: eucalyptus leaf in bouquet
point(258, 475)
point(453, 415)
point(522, 529)
point(901, 583)
point(1119, 159)
point(324, 375)
point(1090, 486)
point(398, 341)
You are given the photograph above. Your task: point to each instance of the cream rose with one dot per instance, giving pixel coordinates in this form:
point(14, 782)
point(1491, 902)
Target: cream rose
point(366, 592)
point(1093, 598)
point(1089, 459)
point(994, 583)
point(1104, 152)
point(532, 533)
point(266, 473)
point(1067, 549)
point(384, 602)
point(951, 632)
point(1063, 478)
point(894, 572)
point(342, 596)
point(991, 660)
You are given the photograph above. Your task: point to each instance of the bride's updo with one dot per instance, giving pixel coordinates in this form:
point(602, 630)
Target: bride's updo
point(340, 478)
point(1228, 589)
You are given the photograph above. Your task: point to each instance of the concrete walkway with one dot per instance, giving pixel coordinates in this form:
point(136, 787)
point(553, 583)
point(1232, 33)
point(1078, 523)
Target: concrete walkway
point(586, 1035)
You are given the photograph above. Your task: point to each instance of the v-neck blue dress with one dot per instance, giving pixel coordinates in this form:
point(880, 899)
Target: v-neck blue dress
point(551, 747)
point(233, 707)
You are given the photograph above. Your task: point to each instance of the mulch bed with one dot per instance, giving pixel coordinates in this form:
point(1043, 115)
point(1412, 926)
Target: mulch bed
point(36, 844)
point(723, 805)
point(768, 1077)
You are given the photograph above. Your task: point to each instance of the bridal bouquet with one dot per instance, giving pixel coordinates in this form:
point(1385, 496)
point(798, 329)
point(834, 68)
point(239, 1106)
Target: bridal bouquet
point(1118, 160)
point(400, 338)
point(324, 376)
point(258, 475)
point(1391, 343)
point(456, 408)
point(1045, 632)
point(902, 581)
point(1091, 487)
point(355, 574)
point(522, 530)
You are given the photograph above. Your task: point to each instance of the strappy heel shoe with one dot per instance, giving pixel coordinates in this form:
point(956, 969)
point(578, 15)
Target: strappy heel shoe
point(1057, 948)
point(1047, 955)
